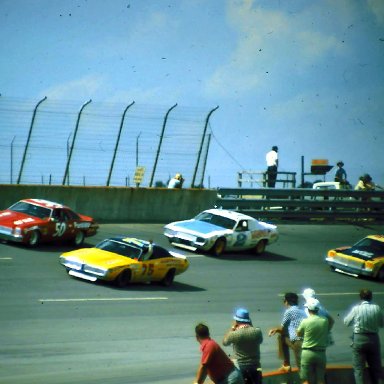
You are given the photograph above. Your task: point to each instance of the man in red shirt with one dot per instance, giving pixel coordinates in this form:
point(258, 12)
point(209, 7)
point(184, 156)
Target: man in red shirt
point(214, 361)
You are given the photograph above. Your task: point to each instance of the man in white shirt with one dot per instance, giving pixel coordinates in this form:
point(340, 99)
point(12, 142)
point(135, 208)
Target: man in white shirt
point(272, 164)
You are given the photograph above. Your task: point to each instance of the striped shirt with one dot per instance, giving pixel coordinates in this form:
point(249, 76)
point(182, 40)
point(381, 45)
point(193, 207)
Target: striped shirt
point(365, 318)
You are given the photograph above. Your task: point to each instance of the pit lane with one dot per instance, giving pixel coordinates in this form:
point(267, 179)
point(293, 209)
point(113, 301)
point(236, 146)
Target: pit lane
point(58, 329)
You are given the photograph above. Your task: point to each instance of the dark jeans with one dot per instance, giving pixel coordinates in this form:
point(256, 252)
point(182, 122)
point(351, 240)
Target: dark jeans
point(271, 176)
point(251, 375)
point(366, 349)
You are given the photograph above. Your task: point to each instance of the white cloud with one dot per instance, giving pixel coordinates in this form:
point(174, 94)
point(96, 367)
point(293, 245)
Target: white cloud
point(83, 88)
point(268, 40)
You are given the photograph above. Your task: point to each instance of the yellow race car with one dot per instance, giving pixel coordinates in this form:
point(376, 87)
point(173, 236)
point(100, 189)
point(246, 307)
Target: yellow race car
point(365, 258)
point(125, 260)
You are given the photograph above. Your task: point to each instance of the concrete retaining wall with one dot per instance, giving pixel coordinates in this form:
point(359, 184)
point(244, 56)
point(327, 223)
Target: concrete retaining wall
point(118, 204)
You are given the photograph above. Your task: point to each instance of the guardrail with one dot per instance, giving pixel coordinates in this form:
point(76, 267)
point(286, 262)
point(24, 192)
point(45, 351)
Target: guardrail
point(303, 203)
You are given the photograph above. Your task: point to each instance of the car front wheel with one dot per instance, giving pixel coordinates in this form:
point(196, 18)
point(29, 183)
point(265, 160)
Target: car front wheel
point(260, 247)
point(219, 247)
point(34, 239)
point(79, 238)
point(123, 279)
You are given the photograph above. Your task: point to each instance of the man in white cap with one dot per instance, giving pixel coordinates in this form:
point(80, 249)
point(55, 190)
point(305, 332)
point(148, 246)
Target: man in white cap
point(246, 340)
point(310, 293)
point(314, 330)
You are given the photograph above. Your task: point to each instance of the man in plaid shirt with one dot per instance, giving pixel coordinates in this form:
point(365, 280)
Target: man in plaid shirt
point(288, 338)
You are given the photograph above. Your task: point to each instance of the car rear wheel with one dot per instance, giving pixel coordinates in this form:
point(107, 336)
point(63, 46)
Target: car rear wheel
point(34, 239)
point(123, 279)
point(219, 246)
point(260, 247)
point(169, 277)
point(79, 238)
point(380, 275)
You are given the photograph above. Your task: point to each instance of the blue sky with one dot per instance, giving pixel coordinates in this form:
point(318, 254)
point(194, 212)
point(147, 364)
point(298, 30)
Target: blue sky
point(304, 75)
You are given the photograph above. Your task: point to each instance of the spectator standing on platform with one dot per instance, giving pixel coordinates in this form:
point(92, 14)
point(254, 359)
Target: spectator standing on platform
point(288, 338)
point(246, 340)
point(314, 330)
point(365, 183)
point(366, 318)
point(176, 181)
point(214, 361)
point(341, 174)
point(272, 160)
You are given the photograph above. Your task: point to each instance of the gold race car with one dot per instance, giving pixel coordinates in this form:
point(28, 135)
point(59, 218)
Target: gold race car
point(365, 258)
point(125, 260)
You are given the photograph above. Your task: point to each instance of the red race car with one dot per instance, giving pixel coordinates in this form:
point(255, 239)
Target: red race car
point(32, 221)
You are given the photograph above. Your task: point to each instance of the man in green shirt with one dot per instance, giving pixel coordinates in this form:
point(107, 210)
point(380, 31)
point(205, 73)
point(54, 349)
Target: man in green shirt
point(314, 329)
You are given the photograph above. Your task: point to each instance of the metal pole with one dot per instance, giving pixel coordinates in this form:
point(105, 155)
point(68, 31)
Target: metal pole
point(137, 149)
point(205, 161)
point(117, 142)
point(302, 171)
point(201, 145)
point(160, 142)
point(12, 158)
point(73, 141)
point(29, 138)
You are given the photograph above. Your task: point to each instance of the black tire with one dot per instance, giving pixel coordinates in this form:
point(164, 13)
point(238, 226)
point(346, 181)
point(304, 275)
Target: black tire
point(219, 246)
point(380, 275)
point(34, 239)
point(79, 239)
point(260, 247)
point(123, 279)
point(168, 279)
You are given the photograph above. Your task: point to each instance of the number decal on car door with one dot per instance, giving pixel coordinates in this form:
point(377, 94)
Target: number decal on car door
point(60, 229)
point(240, 240)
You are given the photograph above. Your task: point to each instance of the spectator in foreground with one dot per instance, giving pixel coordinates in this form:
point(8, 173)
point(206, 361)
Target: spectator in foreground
point(366, 318)
point(314, 330)
point(287, 337)
point(246, 340)
point(214, 361)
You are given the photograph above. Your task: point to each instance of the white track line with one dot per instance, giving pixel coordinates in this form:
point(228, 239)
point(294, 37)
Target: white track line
point(102, 299)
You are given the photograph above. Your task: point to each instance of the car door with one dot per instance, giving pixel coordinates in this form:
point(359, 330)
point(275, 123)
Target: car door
point(241, 235)
point(60, 225)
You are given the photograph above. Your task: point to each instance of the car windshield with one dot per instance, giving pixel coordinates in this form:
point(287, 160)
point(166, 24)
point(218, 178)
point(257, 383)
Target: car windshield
point(120, 248)
point(30, 209)
point(367, 249)
point(220, 221)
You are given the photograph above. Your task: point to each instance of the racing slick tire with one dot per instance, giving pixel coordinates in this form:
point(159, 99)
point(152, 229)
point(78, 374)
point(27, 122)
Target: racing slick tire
point(79, 239)
point(219, 246)
point(380, 275)
point(123, 279)
point(168, 278)
point(260, 247)
point(34, 239)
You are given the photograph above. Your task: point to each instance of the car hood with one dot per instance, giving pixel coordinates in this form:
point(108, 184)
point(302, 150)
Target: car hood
point(11, 219)
point(98, 257)
point(197, 227)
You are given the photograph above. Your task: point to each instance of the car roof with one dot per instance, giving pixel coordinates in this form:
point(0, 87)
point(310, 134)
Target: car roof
point(377, 237)
point(44, 203)
point(133, 241)
point(230, 214)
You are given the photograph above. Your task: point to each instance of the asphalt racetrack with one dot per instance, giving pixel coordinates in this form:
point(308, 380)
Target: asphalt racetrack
point(58, 329)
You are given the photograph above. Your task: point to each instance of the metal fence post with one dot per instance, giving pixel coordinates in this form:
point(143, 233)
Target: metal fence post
point(205, 161)
point(117, 142)
point(28, 139)
point(201, 145)
point(73, 141)
point(160, 142)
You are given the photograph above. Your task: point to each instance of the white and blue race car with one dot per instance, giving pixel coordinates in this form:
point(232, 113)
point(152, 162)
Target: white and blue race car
point(219, 230)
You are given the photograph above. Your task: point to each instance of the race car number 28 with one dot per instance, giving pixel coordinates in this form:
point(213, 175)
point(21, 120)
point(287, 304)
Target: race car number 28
point(60, 229)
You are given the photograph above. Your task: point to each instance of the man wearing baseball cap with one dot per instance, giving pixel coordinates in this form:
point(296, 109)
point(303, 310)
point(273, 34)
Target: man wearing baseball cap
point(314, 330)
point(246, 340)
